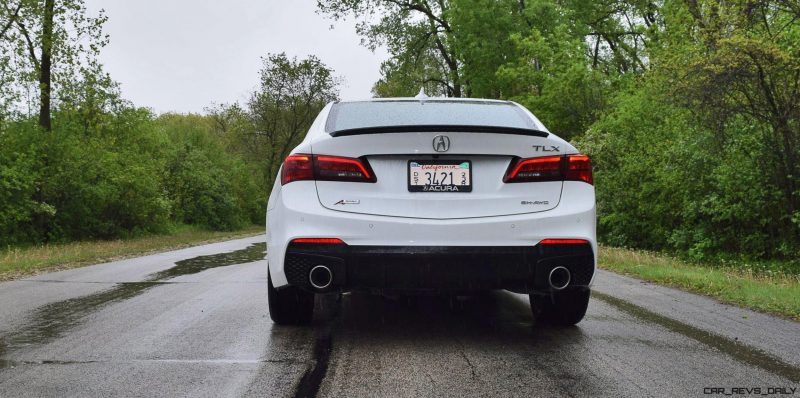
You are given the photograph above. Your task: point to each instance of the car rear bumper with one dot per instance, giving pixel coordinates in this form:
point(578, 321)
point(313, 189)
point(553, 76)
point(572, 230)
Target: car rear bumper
point(440, 268)
point(487, 246)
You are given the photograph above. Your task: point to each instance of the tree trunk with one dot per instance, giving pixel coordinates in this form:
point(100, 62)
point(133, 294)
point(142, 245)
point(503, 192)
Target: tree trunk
point(789, 156)
point(45, 72)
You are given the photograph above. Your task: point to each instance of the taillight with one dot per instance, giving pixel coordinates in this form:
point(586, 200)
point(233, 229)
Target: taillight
point(550, 168)
point(297, 168)
point(579, 168)
point(334, 168)
point(301, 167)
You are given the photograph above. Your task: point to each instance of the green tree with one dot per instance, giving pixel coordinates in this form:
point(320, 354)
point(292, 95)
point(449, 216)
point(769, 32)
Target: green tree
point(741, 59)
point(708, 134)
point(551, 77)
point(51, 45)
point(483, 32)
point(291, 94)
point(419, 37)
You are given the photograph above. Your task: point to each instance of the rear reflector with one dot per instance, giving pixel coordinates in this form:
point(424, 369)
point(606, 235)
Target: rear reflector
point(564, 242)
point(323, 241)
point(299, 167)
point(550, 168)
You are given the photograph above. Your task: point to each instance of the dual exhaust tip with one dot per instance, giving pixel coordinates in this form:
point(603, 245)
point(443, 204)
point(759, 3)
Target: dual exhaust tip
point(320, 277)
point(559, 278)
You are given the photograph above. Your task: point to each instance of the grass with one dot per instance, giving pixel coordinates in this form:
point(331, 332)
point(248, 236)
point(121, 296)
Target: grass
point(19, 262)
point(771, 292)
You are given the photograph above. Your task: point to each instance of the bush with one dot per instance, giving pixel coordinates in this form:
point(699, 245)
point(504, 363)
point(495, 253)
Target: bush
point(120, 174)
point(206, 185)
point(665, 182)
point(20, 175)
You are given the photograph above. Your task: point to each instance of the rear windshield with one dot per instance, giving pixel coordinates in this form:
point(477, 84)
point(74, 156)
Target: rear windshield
point(371, 114)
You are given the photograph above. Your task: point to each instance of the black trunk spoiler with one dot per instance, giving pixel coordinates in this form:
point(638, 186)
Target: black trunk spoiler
point(439, 128)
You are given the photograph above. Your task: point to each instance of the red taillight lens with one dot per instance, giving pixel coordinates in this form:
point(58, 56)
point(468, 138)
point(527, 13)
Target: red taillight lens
point(301, 167)
point(297, 168)
point(550, 168)
point(564, 242)
point(334, 168)
point(546, 168)
point(579, 168)
point(323, 241)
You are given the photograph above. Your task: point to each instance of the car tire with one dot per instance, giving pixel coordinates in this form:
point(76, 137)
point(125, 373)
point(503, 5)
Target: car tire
point(565, 308)
point(290, 305)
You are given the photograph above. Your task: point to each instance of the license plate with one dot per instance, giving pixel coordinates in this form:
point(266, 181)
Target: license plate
point(440, 176)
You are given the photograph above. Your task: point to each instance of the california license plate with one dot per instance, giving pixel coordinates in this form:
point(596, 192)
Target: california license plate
point(440, 175)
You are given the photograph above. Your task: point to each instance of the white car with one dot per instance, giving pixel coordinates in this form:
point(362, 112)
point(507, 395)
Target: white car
point(423, 194)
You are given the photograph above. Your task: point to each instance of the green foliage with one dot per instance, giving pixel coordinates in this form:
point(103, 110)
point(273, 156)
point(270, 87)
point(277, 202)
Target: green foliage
point(20, 170)
point(48, 54)
point(205, 184)
point(107, 169)
point(124, 174)
point(706, 138)
point(103, 187)
point(551, 77)
point(419, 37)
point(291, 95)
point(486, 33)
point(637, 198)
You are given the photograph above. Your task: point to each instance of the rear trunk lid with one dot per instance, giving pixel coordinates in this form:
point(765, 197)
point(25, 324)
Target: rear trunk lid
point(486, 154)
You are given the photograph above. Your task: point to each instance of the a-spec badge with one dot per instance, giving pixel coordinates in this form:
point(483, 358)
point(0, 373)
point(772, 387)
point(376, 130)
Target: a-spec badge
point(347, 202)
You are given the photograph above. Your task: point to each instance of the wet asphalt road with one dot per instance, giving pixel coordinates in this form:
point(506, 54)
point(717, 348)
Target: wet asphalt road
point(194, 322)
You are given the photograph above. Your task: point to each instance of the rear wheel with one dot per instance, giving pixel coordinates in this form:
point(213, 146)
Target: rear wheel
point(564, 308)
point(290, 305)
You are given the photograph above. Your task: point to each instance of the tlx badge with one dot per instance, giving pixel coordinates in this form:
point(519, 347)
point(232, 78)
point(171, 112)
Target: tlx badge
point(546, 148)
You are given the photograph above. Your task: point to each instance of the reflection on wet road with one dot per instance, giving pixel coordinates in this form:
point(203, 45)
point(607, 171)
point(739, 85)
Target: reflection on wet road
point(488, 345)
point(201, 327)
point(734, 349)
point(50, 321)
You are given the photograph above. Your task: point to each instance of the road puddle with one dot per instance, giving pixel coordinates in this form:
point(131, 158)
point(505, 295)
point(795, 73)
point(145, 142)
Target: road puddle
point(51, 321)
point(199, 264)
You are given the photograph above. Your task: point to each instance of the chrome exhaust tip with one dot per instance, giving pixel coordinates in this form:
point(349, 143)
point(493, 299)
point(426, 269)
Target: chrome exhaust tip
point(559, 278)
point(320, 277)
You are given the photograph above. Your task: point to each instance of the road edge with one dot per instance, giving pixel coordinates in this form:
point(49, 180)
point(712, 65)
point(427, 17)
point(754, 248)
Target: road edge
point(11, 276)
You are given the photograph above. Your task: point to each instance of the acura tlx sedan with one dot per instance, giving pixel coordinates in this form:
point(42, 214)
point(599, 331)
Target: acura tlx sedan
point(451, 196)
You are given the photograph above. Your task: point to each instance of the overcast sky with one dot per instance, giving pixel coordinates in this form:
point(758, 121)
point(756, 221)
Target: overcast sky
point(182, 55)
